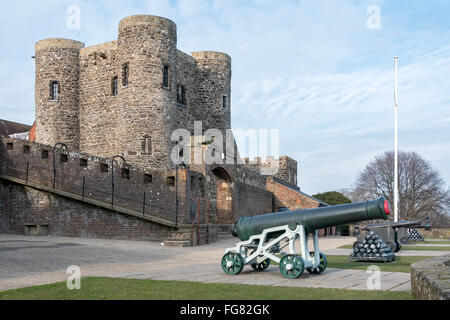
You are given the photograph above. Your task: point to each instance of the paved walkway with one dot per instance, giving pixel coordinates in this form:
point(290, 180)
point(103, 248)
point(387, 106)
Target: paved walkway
point(27, 261)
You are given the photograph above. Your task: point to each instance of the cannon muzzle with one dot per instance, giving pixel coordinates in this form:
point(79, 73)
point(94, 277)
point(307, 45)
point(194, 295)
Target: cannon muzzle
point(313, 219)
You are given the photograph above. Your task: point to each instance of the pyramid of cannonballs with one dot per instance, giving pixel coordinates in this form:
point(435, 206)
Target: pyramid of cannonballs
point(371, 248)
point(414, 235)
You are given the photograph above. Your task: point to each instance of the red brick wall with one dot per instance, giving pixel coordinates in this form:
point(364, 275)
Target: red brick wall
point(286, 197)
point(20, 205)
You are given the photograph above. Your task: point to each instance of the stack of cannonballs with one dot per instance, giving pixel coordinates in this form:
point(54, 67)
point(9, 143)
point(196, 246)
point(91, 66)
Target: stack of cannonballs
point(371, 248)
point(414, 235)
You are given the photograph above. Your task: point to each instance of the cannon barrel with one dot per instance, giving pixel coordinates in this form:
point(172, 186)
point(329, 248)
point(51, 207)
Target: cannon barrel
point(400, 224)
point(313, 219)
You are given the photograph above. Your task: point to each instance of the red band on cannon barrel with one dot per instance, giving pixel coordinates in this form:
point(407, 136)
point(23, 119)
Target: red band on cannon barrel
point(387, 207)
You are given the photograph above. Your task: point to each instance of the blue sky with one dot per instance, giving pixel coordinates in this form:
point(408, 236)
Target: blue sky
point(309, 68)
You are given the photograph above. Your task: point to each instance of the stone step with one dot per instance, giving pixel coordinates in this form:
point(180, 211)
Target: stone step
point(176, 243)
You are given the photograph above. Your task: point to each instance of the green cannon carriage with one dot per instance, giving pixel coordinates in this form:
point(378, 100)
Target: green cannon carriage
point(264, 237)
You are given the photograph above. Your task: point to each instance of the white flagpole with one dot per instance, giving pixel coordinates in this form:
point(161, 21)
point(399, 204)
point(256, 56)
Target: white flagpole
point(396, 142)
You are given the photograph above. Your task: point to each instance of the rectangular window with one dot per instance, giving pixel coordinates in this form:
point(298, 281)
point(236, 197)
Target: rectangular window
point(83, 162)
point(181, 95)
point(170, 181)
point(166, 76)
point(44, 154)
point(224, 101)
point(148, 178)
point(9, 146)
point(146, 146)
point(63, 157)
point(125, 74)
point(26, 149)
point(114, 86)
point(125, 173)
point(54, 90)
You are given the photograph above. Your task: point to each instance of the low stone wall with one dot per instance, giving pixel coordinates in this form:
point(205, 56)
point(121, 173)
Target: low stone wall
point(430, 279)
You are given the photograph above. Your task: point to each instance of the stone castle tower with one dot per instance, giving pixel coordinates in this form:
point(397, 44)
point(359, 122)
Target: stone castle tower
point(127, 96)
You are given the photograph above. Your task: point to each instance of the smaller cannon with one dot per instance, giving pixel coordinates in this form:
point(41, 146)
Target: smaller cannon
point(394, 234)
point(263, 237)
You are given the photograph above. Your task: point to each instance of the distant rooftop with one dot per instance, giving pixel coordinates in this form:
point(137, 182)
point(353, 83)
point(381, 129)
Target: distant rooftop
point(9, 127)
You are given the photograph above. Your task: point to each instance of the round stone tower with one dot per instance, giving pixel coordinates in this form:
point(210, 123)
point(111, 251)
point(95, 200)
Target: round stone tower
point(57, 91)
point(214, 84)
point(146, 46)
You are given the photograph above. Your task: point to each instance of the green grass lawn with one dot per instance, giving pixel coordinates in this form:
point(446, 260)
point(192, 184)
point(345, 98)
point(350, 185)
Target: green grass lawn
point(419, 248)
point(436, 242)
point(401, 264)
point(406, 247)
point(94, 288)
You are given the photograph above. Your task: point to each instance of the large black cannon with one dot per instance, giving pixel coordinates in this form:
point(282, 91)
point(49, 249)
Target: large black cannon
point(264, 236)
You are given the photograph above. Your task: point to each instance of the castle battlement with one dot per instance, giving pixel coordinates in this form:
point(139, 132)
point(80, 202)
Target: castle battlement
point(283, 168)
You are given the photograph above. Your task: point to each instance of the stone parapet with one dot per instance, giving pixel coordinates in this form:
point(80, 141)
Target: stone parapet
point(430, 279)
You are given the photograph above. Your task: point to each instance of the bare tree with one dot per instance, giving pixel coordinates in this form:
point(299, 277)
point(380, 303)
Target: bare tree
point(421, 189)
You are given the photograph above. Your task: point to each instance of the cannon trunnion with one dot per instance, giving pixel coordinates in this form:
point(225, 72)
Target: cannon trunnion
point(264, 237)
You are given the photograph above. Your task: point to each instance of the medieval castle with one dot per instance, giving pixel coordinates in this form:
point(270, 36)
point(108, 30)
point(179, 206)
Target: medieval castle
point(122, 100)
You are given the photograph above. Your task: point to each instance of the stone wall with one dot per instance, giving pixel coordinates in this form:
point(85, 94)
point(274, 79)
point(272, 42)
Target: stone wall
point(99, 109)
point(252, 201)
point(57, 120)
point(284, 168)
point(21, 205)
point(430, 279)
point(137, 121)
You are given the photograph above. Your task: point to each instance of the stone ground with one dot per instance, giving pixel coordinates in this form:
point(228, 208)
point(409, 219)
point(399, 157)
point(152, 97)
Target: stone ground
point(27, 261)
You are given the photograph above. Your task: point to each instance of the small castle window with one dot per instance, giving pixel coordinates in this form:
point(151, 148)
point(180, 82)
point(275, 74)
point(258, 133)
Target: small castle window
point(26, 149)
point(166, 76)
point(54, 90)
point(83, 162)
point(181, 95)
point(125, 74)
point(146, 146)
point(63, 158)
point(125, 173)
point(114, 86)
point(148, 178)
point(103, 167)
point(44, 154)
point(9, 146)
point(224, 101)
point(170, 181)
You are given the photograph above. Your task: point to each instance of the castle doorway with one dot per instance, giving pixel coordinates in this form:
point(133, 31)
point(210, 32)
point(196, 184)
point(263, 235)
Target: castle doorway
point(224, 196)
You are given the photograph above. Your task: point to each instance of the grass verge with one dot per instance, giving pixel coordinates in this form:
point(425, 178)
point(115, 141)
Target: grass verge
point(406, 247)
point(95, 288)
point(436, 242)
point(401, 264)
point(419, 248)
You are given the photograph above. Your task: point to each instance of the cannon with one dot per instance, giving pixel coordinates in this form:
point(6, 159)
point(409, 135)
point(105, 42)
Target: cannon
point(263, 237)
point(394, 234)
